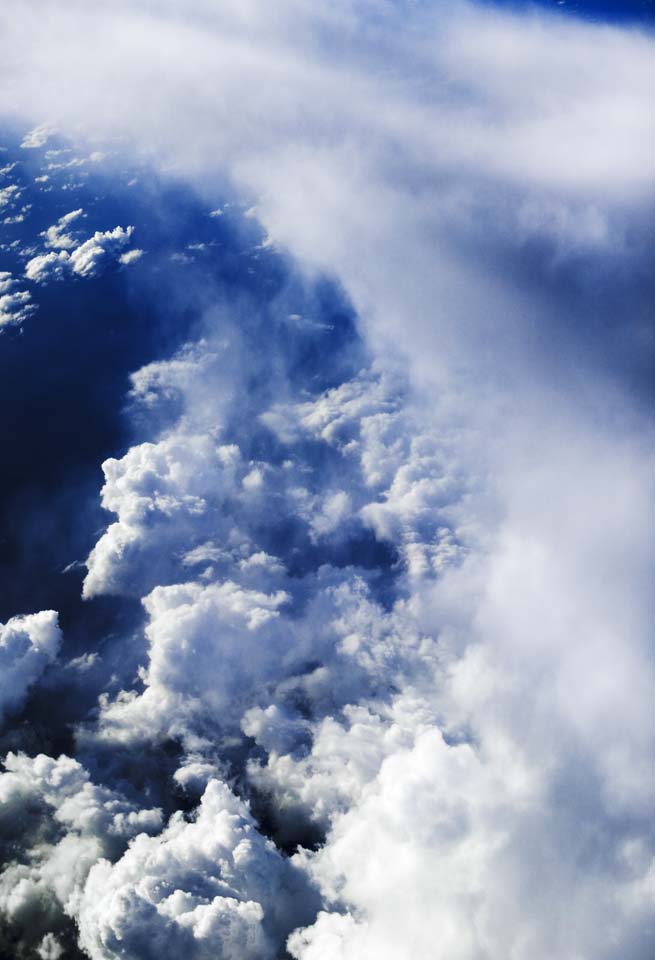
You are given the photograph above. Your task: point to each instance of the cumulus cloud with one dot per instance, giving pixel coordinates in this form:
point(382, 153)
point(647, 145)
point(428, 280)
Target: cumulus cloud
point(160, 492)
point(208, 887)
point(88, 259)
point(47, 267)
point(15, 305)
point(193, 628)
point(38, 137)
point(28, 644)
point(58, 236)
point(406, 610)
point(62, 823)
point(94, 254)
point(452, 826)
point(9, 195)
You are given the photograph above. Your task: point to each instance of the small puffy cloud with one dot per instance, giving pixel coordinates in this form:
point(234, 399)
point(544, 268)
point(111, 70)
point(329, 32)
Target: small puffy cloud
point(50, 948)
point(9, 195)
point(15, 305)
point(58, 236)
point(194, 774)
point(131, 256)
point(38, 137)
point(88, 259)
point(47, 267)
point(64, 785)
point(403, 481)
point(91, 256)
point(28, 644)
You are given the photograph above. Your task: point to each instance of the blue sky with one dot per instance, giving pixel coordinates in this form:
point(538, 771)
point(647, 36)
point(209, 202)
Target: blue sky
point(326, 374)
point(639, 12)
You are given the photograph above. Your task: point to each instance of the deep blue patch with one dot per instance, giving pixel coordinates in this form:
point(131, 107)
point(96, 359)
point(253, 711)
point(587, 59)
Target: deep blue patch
point(639, 12)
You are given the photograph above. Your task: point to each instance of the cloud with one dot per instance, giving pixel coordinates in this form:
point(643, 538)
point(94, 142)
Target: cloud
point(88, 259)
point(28, 644)
point(38, 137)
point(15, 305)
point(57, 236)
point(48, 266)
point(94, 254)
point(192, 627)
point(210, 886)
point(50, 948)
point(404, 607)
point(55, 824)
point(131, 256)
point(9, 195)
point(452, 826)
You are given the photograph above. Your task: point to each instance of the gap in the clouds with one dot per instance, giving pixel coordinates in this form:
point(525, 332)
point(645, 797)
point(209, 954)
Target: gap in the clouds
point(288, 835)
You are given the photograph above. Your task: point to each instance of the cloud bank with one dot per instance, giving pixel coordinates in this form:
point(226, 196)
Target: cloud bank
point(389, 692)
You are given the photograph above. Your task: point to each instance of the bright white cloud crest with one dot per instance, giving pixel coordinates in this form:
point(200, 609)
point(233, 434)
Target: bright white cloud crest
point(473, 747)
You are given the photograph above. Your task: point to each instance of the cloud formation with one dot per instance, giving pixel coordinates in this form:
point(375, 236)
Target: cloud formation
point(27, 645)
point(395, 592)
point(208, 887)
point(15, 304)
point(87, 259)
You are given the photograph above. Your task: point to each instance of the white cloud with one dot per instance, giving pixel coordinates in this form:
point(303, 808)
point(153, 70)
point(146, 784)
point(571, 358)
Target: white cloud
point(88, 259)
point(160, 492)
point(58, 236)
point(50, 948)
point(131, 256)
point(38, 137)
point(55, 824)
point(47, 267)
point(15, 305)
point(28, 644)
point(473, 874)
point(211, 886)
point(477, 751)
point(10, 195)
point(193, 627)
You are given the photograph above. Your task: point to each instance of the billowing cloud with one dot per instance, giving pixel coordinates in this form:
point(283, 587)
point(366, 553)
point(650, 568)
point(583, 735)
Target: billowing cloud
point(27, 645)
point(394, 593)
point(92, 255)
point(211, 886)
point(64, 823)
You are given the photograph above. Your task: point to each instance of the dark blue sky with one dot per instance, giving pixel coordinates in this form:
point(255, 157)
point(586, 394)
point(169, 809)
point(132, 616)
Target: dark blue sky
point(619, 11)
